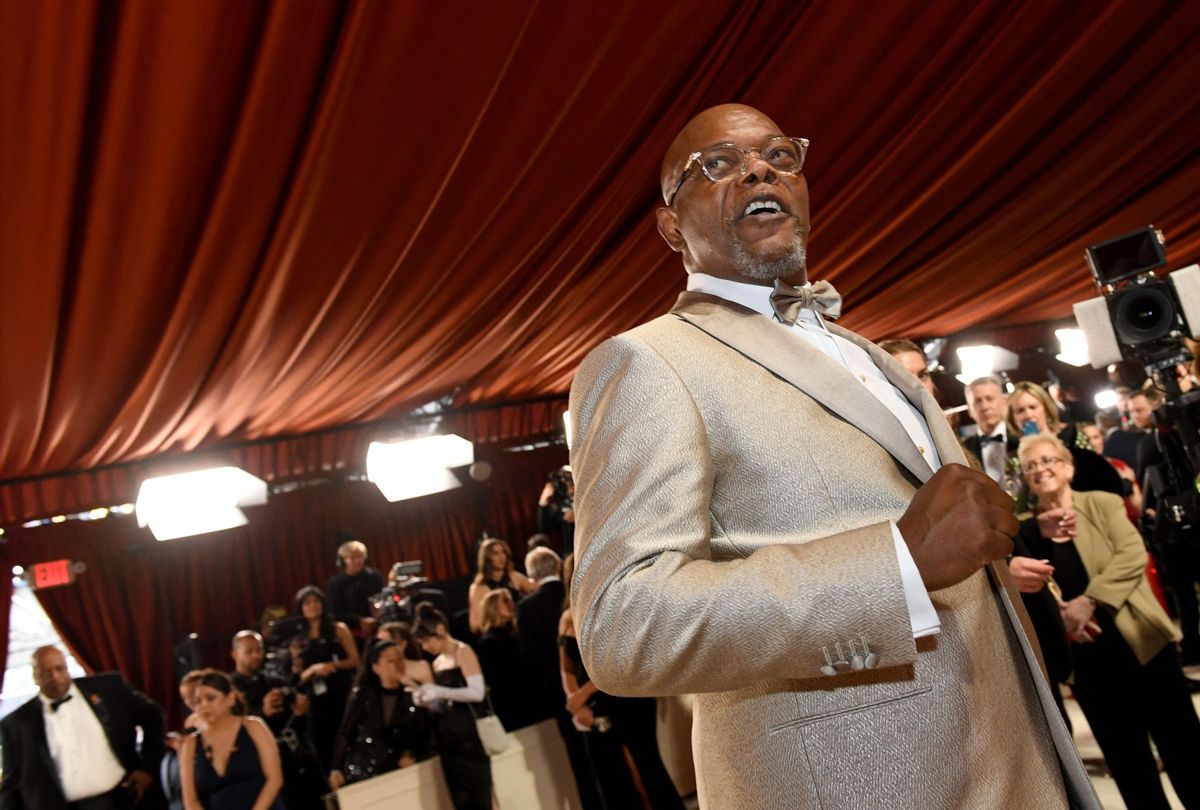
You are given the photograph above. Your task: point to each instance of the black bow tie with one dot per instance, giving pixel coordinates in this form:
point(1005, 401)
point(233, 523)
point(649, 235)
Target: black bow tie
point(996, 438)
point(54, 704)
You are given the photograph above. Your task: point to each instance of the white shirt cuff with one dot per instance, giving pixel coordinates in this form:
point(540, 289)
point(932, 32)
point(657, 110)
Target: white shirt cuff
point(924, 618)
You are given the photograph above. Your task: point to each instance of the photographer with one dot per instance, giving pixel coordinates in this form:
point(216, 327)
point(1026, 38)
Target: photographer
point(556, 509)
point(350, 590)
point(284, 710)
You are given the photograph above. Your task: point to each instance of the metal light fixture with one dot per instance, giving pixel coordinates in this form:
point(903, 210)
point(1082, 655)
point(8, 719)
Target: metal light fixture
point(197, 502)
point(416, 467)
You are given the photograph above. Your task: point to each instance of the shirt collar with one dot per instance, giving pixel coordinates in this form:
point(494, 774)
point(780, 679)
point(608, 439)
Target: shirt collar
point(752, 296)
point(551, 578)
point(73, 692)
point(1000, 430)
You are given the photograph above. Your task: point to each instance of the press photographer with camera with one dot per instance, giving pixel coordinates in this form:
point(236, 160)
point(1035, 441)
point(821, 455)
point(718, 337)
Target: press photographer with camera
point(1145, 319)
point(284, 709)
point(556, 509)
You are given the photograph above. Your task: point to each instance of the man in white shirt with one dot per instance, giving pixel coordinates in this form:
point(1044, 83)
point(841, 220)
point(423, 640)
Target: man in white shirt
point(774, 516)
point(991, 444)
point(74, 746)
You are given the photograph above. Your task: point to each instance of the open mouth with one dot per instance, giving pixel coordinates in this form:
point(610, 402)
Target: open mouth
point(764, 206)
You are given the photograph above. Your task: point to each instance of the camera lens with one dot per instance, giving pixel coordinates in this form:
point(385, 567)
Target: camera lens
point(1144, 314)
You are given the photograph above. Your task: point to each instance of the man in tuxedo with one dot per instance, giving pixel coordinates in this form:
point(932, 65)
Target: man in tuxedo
point(773, 515)
point(538, 616)
point(991, 444)
point(74, 745)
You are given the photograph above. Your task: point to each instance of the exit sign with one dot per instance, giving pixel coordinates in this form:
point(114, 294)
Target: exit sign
point(51, 574)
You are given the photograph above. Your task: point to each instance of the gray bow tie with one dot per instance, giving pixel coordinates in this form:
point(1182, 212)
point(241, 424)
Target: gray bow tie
point(787, 301)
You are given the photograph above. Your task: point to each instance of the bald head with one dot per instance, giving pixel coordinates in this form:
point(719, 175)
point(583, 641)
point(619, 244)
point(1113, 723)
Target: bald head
point(697, 135)
point(50, 672)
point(751, 225)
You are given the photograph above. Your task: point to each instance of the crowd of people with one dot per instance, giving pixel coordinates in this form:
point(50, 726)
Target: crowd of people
point(1090, 494)
point(331, 695)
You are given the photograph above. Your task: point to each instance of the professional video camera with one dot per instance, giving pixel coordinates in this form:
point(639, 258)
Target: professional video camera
point(1143, 318)
point(406, 587)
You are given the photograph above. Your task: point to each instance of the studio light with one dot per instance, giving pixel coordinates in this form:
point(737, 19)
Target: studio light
point(1073, 349)
point(416, 467)
point(980, 361)
point(567, 427)
point(197, 502)
point(1106, 399)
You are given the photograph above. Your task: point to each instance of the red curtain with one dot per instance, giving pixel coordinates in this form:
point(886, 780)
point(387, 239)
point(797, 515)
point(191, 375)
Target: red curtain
point(139, 596)
point(231, 221)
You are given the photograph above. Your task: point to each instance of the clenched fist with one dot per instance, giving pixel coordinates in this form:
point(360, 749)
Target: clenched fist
point(958, 522)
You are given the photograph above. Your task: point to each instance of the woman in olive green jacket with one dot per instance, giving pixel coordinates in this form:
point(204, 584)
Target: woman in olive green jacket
point(1127, 677)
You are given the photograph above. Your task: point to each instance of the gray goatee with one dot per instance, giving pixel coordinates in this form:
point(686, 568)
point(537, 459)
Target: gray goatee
point(789, 264)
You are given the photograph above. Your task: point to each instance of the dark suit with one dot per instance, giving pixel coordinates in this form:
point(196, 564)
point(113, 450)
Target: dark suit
point(30, 776)
point(538, 615)
point(1123, 445)
point(975, 446)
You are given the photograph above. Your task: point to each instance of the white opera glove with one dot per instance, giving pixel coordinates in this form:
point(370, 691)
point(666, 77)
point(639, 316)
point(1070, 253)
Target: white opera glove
point(471, 693)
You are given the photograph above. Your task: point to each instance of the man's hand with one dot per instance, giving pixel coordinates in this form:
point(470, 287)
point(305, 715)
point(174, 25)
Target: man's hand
point(1030, 575)
point(1057, 523)
point(958, 521)
point(272, 703)
point(568, 514)
point(140, 781)
point(336, 780)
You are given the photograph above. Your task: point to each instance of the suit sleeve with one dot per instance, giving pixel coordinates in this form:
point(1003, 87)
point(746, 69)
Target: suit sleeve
point(147, 714)
point(1126, 567)
point(10, 794)
point(655, 613)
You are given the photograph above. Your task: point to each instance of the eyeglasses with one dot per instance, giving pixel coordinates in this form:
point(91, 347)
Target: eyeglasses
point(1037, 463)
point(724, 162)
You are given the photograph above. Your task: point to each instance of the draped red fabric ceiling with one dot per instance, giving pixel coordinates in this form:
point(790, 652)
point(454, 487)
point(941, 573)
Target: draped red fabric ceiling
point(263, 230)
point(236, 220)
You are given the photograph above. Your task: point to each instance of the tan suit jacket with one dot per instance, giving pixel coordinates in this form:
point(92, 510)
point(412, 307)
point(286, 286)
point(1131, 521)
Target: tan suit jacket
point(734, 488)
point(1114, 556)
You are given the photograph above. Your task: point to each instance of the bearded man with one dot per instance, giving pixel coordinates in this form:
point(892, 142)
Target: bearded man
point(774, 515)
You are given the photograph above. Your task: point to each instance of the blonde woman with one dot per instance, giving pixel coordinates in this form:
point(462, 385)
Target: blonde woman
point(1127, 677)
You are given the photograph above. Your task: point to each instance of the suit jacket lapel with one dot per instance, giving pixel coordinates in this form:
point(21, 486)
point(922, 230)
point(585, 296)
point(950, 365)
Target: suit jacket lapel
point(943, 436)
point(762, 341)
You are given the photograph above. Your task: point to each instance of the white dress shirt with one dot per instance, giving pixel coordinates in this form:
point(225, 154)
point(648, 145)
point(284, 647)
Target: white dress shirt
point(79, 747)
point(995, 454)
point(811, 328)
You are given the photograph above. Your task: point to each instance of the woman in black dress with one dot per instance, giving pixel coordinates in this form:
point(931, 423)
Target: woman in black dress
point(495, 571)
point(612, 725)
point(499, 652)
point(323, 657)
point(383, 730)
point(458, 684)
point(234, 763)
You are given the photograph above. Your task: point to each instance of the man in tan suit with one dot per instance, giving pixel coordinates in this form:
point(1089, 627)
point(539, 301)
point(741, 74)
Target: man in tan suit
point(773, 514)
